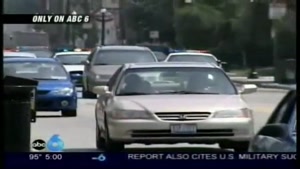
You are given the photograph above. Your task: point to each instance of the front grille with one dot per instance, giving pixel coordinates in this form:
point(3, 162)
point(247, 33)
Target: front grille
point(167, 133)
point(42, 104)
point(183, 116)
point(42, 92)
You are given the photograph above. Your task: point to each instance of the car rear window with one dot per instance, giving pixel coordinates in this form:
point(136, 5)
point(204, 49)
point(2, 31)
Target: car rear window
point(119, 57)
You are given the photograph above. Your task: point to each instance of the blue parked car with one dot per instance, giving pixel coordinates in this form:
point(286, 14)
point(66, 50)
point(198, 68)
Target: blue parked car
point(280, 133)
point(55, 91)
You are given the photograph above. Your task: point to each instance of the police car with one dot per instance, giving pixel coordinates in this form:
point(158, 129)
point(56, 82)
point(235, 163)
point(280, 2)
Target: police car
point(193, 56)
point(73, 61)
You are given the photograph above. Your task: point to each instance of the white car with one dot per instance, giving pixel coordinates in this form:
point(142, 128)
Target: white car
point(73, 63)
point(193, 57)
point(161, 103)
point(18, 55)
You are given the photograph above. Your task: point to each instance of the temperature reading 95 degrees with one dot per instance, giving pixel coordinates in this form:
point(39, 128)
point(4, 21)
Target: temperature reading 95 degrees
point(35, 156)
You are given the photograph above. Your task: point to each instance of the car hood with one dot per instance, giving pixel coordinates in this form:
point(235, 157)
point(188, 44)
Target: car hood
point(105, 69)
point(74, 67)
point(53, 84)
point(181, 103)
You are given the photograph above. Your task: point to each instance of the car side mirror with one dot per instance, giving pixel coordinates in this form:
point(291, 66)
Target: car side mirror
point(100, 90)
point(278, 130)
point(248, 88)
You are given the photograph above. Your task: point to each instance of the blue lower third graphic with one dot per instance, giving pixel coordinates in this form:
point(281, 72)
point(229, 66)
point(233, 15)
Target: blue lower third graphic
point(101, 158)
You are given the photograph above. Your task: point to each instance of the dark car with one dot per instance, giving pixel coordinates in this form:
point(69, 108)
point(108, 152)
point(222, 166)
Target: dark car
point(279, 134)
point(103, 61)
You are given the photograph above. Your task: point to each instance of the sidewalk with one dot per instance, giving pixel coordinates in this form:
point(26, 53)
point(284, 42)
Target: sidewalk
point(263, 82)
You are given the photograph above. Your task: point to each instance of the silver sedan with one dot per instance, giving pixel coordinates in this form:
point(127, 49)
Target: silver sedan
point(172, 103)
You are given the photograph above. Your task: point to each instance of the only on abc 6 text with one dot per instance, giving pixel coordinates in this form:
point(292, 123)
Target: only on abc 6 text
point(61, 19)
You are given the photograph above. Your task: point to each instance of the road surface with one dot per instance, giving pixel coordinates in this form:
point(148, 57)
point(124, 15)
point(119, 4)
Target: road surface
point(78, 132)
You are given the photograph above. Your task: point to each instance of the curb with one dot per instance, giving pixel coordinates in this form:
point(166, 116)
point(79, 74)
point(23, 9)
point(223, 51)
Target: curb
point(252, 82)
point(283, 87)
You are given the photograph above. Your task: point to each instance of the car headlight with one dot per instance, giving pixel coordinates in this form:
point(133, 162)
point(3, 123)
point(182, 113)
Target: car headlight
point(129, 114)
point(97, 77)
point(240, 113)
point(65, 91)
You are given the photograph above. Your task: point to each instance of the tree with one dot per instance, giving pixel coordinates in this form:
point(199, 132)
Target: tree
point(150, 15)
point(196, 26)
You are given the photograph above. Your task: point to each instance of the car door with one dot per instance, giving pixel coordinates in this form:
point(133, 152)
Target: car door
point(104, 100)
point(281, 115)
point(87, 67)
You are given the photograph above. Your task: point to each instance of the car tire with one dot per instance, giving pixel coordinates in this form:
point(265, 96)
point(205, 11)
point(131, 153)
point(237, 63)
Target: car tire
point(69, 113)
point(86, 94)
point(241, 146)
point(100, 141)
point(110, 145)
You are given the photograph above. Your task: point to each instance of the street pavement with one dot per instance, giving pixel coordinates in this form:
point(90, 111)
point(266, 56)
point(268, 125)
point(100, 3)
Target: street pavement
point(78, 133)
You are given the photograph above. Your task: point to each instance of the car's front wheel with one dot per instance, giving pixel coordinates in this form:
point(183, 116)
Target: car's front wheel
point(106, 143)
point(87, 94)
point(69, 113)
point(241, 146)
point(100, 141)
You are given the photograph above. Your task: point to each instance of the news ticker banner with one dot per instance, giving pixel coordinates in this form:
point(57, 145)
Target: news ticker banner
point(151, 160)
point(46, 19)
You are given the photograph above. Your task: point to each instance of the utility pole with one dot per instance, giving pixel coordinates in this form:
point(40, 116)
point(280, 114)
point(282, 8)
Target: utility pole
point(253, 47)
point(122, 16)
point(103, 13)
point(68, 26)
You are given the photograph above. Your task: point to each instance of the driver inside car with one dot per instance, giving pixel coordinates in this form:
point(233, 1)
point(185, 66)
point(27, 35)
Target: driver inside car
point(135, 84)
point(200, 83)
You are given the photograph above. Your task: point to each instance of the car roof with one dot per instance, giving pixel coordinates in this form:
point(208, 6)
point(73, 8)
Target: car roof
point(24, 54)
point(72, 53)
point(49, 60)
point(171, 64)
point(191, 53)
point(124, 48)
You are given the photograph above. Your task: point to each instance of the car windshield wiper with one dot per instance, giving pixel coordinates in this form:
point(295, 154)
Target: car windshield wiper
point(186, 92)
point(134, 93)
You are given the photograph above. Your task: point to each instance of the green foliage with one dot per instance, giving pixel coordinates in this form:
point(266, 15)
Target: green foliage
point(152, 15)
point(196, 25)
point(286, 39)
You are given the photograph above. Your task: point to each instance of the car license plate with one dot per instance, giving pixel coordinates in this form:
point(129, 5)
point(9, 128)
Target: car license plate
point(183, 128)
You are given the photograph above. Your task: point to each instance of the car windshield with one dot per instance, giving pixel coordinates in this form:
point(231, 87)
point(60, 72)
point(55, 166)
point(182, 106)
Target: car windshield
point(72, 59)
point(35, 70)
point(175, 80)
point(18, 57)
point(192, 58)
point(293, 121)
point(42, 54)
point(119, 57)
